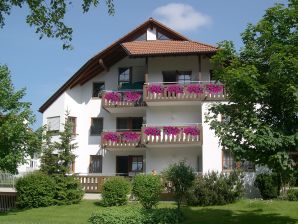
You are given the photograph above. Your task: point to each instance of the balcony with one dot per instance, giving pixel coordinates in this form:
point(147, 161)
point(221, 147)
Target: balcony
point(121, 140)
point(182, 94)
point(124, 102)
point(168, 136)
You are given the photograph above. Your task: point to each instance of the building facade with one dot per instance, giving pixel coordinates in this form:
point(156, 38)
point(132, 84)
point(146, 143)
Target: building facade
point(140, 105)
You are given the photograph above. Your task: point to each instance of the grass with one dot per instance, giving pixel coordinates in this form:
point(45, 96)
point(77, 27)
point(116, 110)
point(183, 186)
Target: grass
point(244, 211)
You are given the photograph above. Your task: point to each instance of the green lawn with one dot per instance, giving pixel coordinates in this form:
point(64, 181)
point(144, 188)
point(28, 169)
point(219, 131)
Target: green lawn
point(245, 211)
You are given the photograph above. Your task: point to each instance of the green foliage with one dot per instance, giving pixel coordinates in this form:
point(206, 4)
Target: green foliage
point(268, 185)
point(35, 190)
point(135, 215)
point(181, 177)
point(115, 191)
point(292, 194)
point(262, 86)
point(68, 190)
point(48, 17)
point(59, 163)
point(147, 189)
point(17, 140)
point(216, 189)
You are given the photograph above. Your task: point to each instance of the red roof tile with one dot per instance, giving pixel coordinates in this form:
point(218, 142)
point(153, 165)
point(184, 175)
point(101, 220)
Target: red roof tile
point(166, 47)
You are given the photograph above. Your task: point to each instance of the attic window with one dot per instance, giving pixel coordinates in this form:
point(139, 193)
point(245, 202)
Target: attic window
point(142, 37)
point(53, 124)
point(161, 36)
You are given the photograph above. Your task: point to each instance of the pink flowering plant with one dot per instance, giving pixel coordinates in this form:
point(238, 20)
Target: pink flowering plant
point(111, 136)
point(194, 88)
point(176, 88)
point(132, 96)
point(214, 88)
point(112, 96)
point(170, 130)
point(151, 131)
point(130, 136)
point(193, 131)
point(155, 88)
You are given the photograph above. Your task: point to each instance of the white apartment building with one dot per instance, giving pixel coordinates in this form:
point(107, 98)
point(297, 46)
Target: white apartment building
point(140, 105)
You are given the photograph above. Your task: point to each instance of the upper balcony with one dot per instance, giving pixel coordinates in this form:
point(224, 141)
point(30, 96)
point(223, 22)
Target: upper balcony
point(124, 102)
point(174, 93)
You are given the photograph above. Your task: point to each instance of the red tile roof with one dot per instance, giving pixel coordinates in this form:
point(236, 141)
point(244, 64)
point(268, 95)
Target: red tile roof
point(166, 47)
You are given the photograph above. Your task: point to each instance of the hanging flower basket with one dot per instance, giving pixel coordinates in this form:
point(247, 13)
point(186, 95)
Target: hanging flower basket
point(194, 88)
point(131, 136)
point(176, 88)
point(214, 88)
point(170, 130)
point(132, 96)
point(111, 136)
point(193, 131)
point(154, 88)
point(113, 97)
point(152, 131)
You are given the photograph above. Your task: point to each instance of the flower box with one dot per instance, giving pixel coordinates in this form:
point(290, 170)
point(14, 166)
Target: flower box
point(154, 88)
point(111, 136)
point(170, 130)
point(193, 131)
point(152, 131)
point(194, 88)
point(131, 136)
point(214, 88)
point(175, 89)
point(132, 96)
point(113, 97)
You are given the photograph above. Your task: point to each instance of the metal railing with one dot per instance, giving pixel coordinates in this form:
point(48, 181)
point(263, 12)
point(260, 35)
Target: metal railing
point(7, 180)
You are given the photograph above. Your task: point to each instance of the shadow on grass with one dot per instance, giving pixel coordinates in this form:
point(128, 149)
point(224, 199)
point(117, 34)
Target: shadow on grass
point(221, 216)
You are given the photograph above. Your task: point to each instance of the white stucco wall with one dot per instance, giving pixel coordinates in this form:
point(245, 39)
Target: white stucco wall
point(211, 150)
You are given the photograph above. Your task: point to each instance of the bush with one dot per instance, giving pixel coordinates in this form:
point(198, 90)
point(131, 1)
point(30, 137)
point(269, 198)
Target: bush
point(181, 177)
point(136, 215)
point(35, 190)
point(147, 189)
point(115, 191)
point(292, 194)
point(268, 185)
point(216, 189)
point(68, 190)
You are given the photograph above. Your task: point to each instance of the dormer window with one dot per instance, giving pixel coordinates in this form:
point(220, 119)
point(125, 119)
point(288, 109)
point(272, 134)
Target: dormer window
point(160, 36)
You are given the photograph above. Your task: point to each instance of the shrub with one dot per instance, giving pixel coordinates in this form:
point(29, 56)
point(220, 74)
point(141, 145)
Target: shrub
point(136, 215)
point(147, 189)
point(115, 191)
point(35, 190)
point(292, 194)
point(181, 177)
point(68, 190)
point(268, 185)
point(216, 189)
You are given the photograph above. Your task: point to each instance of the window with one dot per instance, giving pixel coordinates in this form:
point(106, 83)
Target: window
point(53, 124)
point(228, 160)
point(98, 88)
point(95, 165)
point(142, 37)
point(136, 163)
point(132, 123)
point(73, 121)
point(72, 166)
point(96, 125)
point(160, 36)
point(124, 78)
point(169, 76)
point(184, 77)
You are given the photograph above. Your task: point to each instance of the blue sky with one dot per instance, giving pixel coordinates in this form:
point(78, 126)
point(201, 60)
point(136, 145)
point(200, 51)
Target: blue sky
point(41, 66)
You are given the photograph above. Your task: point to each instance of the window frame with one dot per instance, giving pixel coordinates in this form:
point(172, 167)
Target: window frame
point(99, 95)
point(92, 133)
point(140, 158)
point(91, 162)
point(74, 124)
point(184, 73)
point(130, 76)
point(55, 131)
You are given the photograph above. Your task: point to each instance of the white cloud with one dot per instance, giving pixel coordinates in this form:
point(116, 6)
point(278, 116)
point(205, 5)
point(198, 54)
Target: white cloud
point(181, 16)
